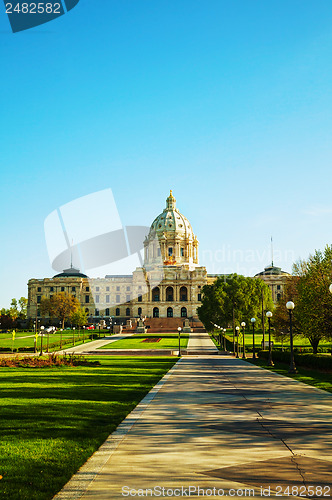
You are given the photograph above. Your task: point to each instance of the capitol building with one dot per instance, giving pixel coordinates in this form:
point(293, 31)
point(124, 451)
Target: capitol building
point(168, 284)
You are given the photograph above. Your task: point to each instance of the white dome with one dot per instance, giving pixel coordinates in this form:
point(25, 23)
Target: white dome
point(171, 221)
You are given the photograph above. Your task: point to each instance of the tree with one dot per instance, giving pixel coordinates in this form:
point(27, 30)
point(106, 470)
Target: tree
point(233, 299)
point(313, 310)
point(79, 317)
point(61, 305)
point(281, 315)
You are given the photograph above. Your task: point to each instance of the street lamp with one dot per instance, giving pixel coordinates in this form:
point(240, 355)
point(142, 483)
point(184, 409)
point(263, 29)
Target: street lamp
point(179, 330)
point(290, 306)
point(253, 321)
point(270, 362)
point(41, 340)
point(237, 328)
point(243, 341)
point(224, 337)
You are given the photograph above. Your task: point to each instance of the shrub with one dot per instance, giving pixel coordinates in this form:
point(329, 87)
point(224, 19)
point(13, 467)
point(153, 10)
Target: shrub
point(316, 361)
point(49, 361)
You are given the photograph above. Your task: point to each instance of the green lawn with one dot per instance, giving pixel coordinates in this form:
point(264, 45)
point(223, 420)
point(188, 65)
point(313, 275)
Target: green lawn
point(53, 419)
point(322, 380)
point(299, 341)
point(26, 339)
point(167, 341)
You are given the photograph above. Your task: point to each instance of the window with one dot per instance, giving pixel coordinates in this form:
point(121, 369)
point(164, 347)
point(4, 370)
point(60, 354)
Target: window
point(39, 289)
point(117, 299)
point(170, 251)
point(107, 289)
point(107, 299)
point(155, 312)
point(97, 299)
point(97, 288)
point(73, 288)
point(139, 298)
point(169, 294)
point(127, 311)
point(97, 312)
point(128, 288)
point(117, 288)
point(170, 312)
point(87, 299)
point(127, 298)
point(278, 287)
point(182, 252)
point(183, 294)
point(199, 297)
point(117, 312)
point(156, 296)
point(107, 312)
point(87, 289)
point(183, 312)
point(38, 299)
point(62, 289)
point(51, 288)
point(139, 311)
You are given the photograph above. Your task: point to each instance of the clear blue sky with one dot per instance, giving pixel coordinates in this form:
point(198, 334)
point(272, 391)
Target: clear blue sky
point(228, 103)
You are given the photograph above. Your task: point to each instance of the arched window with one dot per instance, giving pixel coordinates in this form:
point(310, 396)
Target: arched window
point(183, 294)
point(183, 312)
point(127, 311)
point(107, 312)
point(155, 312)
point(117, 312)
point(169, 294)
point(139, 311)
point(156, 294)
point(169, 312)
point(97, 312)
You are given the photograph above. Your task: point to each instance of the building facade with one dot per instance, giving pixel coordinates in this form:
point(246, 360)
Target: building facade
point(169, 283)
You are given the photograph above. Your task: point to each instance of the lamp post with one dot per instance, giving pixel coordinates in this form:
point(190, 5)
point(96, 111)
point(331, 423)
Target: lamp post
point(292, 368)
point(83, 334)
point(234, 341)
point(224, 337)
point(253, 321)
point(237, 328)
point(270, 362)
point(179, 330)
point(73, 335)
point(41, 340)
point(243, 340)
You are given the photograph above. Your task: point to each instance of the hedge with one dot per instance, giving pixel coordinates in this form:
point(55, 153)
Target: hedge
point(316, 361)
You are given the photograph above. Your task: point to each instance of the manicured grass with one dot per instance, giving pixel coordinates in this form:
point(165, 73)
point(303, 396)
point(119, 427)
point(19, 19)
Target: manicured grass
point(53, 419)
point(299, 341)
point(27, 339)
point(168, 341)
point(322, 380)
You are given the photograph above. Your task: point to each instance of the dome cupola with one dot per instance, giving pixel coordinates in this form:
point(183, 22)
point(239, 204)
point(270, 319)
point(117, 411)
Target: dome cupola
point(171, 239)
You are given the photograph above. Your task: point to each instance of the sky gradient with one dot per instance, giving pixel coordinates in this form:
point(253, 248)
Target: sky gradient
point(227, 103)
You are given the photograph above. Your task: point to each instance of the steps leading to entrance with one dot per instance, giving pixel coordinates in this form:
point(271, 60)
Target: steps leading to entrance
point(164, 325)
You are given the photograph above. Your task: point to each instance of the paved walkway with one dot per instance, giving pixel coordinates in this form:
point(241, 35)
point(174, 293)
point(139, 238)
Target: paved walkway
point(216, 422)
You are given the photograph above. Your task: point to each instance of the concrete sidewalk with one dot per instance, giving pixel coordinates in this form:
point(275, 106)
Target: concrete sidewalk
point(216, 422)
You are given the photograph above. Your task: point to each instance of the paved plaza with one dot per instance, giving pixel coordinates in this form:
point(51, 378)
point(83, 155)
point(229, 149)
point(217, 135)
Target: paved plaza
point(219, 424)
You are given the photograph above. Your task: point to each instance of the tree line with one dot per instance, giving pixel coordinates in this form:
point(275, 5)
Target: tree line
point(235, 298)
